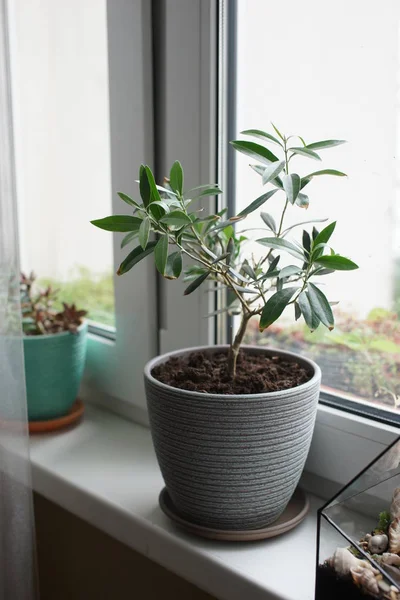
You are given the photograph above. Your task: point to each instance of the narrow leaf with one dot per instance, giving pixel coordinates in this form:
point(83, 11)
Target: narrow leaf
point(325, 144)
point(337, 263)
point(311, 319)
point(173, 267)
point(305, 152)
point(280, 244)
point(288, 271)
point(195, 284)
point(203, 190)
point(278, 132)
point(144, 186)
point(259, 169)
point(128, 238)
point(306, 241)
point(320, 306)
point(324, 236)
point(249, 270)
point(273, 264)
point(291, 185)
point(166, 191)
point(269, 221)
point(177, 218)
point(128, 200)
point(144, 232)
point(275, 307)
point(256, 203)
point(297, 311)
point(272, 171)
point(263, 135)
point(161, 254)
point(255, 151)
point(305, 180)
point(118, 223)
point(303, 223)
point(176, 178)
point(154, 193)
point(134, 257)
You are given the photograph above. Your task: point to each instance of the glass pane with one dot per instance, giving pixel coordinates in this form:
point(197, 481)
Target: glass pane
point(60, 77)
point(334, 77)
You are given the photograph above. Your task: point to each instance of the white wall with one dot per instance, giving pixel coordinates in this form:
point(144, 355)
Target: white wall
point(63, 165)
point(331, 70)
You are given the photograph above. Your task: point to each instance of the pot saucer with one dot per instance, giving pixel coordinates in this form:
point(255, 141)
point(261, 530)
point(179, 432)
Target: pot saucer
point(293, 514)
point(70, 418)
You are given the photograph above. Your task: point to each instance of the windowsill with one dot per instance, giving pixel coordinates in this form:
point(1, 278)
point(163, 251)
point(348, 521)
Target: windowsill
point(105, 472)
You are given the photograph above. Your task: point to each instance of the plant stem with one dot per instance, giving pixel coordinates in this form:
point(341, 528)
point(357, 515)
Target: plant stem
point(235, 347)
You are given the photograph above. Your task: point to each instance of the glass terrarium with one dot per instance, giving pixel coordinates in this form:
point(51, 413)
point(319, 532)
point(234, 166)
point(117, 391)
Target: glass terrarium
point(358, 547)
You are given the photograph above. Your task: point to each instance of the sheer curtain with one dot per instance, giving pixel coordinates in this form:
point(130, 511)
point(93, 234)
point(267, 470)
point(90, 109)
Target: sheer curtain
point(17, 555)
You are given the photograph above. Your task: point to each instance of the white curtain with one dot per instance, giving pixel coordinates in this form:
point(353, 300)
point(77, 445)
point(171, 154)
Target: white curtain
point(17, 554)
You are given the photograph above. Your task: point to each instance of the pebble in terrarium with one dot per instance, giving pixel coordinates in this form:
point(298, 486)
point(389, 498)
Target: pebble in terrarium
point(355, 572)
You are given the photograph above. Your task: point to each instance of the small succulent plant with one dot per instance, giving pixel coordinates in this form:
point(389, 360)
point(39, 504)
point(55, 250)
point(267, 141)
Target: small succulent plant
point(38, 314)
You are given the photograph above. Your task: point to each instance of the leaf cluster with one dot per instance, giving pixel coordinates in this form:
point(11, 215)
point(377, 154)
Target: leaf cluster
point(166, 223)
point(38, 314)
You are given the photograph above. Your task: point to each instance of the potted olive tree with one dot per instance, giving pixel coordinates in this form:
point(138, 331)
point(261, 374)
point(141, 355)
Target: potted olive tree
point(232, 426)
point(54, 351)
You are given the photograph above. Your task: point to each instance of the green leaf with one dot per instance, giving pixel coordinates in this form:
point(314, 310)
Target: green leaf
point(256, 203)
point(195, 284)
point(255, 151)
point(166, 191)
point(280, 244)
point(248, 269)
point(314, 233)
point(305, 152)
point(297, 311)
point(288, 271)
point(337, 263)
point(306, 240)
point(118, 223)
point(144, 232)
point(272, 171)
point(173, 267)
point(324, 236)
point(128, 238)
point(144, 186)
point(203, 190)
point(320, 306)
point(275, 307)
point(303, 223)
point(161, 254)
point(262, 135)
point(302, 200)
point(259, 169)
point(278, 132)
point(325, 144)
point(134, 257)
point(154, 193)
point(311, 319)
point(291, 185)
point(273, 264)
point(307, 178)
point(269, 221)
point(176, 178)
point(177, 218)
point(128, 200)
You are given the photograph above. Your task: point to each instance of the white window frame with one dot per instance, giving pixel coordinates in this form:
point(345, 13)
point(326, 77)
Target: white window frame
point(114, 370)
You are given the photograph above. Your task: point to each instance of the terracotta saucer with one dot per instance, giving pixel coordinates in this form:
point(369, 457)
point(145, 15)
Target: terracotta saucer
point(294, 514)
point(72, 417)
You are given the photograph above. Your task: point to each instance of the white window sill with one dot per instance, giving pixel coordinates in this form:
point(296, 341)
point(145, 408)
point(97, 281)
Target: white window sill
point(105, 472)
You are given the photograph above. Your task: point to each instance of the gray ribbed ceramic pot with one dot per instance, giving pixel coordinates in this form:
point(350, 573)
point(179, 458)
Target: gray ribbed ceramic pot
point(232, 461)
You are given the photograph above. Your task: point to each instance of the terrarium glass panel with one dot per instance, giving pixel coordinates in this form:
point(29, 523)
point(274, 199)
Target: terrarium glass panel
point(358, 551)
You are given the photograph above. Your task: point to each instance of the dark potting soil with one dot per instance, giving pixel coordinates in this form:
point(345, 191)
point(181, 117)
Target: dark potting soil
point(331, 587)
point(208, 373)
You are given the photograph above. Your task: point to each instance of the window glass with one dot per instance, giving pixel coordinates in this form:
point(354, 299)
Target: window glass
point(334, 74)
point(61, 104)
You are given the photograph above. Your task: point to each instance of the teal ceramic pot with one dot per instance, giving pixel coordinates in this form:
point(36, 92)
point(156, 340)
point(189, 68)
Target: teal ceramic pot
point(53, 371)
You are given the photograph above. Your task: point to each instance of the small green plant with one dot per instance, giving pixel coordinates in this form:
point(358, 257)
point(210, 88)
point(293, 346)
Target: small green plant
point(38, 314)
point(258, 287)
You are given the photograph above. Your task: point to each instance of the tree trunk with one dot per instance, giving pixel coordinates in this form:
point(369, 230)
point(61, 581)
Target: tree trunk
point(235, 346)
